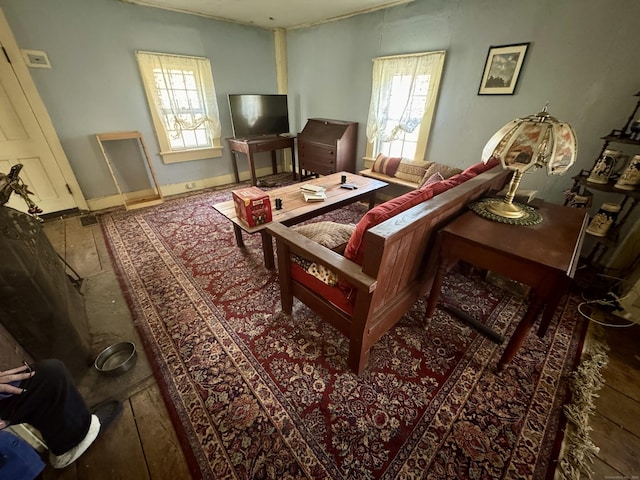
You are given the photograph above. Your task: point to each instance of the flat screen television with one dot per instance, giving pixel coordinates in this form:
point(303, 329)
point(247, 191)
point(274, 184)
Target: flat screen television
point(255, 115)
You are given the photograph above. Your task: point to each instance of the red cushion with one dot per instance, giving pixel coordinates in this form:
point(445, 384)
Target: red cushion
point(443, 186)
point(477, 169)
point(336, 295)
point(355, 247)
point(468, 174)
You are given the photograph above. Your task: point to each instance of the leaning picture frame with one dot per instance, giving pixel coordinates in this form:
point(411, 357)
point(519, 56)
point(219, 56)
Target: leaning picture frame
point(502, 69)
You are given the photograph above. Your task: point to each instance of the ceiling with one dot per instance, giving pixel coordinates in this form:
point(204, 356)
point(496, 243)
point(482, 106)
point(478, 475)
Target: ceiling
point(273, 13)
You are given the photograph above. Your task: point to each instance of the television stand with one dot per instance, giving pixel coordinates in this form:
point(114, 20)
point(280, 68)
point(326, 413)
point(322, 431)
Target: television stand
point(265, 143)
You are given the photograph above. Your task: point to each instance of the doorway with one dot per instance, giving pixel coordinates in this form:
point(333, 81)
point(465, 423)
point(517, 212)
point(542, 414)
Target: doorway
point(27, 136)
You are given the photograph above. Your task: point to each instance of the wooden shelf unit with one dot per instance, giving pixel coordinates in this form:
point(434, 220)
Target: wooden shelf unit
point(630, 198)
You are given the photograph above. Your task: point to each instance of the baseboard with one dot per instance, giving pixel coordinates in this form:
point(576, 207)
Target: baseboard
point(114, 201)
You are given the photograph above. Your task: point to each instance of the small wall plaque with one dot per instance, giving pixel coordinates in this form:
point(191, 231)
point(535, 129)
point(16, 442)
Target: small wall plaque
point(36, 59)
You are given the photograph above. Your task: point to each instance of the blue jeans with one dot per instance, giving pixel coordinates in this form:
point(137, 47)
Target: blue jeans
point(52, 404)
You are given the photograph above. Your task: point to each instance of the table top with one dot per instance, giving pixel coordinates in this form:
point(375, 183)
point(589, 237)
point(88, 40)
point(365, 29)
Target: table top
point(261, 138)
point(295, 209)
point(555, 242)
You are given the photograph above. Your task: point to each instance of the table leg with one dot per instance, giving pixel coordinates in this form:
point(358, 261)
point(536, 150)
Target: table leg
point(435, 290)
point(274, 162)
point(267, 250)
point(518, 337)
point(252, 169)
point(372, 200)
point(234, 156)
point(293, 164)
point(557, 292)
point(237, 232)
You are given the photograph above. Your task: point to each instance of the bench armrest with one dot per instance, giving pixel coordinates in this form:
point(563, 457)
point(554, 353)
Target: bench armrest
point(313, 251)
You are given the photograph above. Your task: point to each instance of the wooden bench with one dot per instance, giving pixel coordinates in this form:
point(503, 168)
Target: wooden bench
point(397, 266)
point(386, 178)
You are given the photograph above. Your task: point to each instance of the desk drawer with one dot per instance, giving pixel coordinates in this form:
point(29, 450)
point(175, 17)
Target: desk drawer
point(274, 145)
point(323, 168)
point(317, 158)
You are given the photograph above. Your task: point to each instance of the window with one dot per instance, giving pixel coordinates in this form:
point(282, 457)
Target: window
point(183, 105)
point(403, 97)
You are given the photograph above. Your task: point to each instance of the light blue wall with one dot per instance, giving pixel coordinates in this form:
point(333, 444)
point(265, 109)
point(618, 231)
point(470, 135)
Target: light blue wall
point(95, 87)
point(583, 59)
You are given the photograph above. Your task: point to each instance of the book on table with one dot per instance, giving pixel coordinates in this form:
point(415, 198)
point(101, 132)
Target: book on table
point(313, 193)
point(314, 197)
point(307, 187)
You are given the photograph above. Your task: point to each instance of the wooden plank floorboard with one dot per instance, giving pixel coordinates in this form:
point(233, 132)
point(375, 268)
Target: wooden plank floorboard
point(122, 451)
point(56, 233)
point(623, 371)
point(618, 447)
point(603, 471)
point(82, 253)
point(115, 454)
point(162, 450)
point(101, 247)
point(619, 409)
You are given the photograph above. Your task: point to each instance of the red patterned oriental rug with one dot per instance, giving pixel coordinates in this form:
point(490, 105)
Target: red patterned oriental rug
point(256, 394)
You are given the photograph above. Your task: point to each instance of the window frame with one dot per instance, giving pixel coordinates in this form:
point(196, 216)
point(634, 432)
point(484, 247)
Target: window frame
point(168, 154)
point(427, 118)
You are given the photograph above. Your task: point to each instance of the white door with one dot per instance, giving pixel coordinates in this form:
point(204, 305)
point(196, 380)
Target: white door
point(23, 141)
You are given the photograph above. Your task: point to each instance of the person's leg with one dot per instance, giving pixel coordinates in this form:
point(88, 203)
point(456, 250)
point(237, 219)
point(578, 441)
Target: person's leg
point(52, 404)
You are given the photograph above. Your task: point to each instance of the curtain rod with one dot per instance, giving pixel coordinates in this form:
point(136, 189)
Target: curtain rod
point(406, 55)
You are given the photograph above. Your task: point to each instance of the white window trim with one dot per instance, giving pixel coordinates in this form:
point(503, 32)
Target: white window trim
point(427, 119)
point(191, 154)
point(176, 156)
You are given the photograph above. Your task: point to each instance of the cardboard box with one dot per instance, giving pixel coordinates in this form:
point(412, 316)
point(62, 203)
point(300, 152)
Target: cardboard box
point(252, 205)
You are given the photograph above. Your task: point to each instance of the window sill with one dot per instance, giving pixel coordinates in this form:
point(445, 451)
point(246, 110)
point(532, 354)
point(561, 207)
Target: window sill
point(189, 155)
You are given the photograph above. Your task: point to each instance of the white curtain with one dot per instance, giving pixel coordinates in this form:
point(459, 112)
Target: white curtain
point(156, 73)
point(409, 67)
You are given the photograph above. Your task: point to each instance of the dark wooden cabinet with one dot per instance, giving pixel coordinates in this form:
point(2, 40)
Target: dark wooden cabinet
point(328, 146)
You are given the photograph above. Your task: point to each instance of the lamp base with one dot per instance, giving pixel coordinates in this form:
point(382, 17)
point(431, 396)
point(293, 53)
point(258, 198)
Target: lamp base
point(498, 210)
point(504, 209)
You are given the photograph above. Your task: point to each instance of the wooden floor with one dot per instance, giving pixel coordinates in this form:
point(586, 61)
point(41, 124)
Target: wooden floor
point(616, 423)
point(143, 445)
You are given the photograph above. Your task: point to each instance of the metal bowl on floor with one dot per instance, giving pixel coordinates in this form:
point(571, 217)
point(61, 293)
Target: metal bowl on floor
point(116, 359)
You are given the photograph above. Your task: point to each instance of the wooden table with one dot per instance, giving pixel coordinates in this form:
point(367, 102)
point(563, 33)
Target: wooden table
point(543, 256)
point(295, 209)
point(267, 143)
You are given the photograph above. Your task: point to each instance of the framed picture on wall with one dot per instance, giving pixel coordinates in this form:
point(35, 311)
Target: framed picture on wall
point(502, 69)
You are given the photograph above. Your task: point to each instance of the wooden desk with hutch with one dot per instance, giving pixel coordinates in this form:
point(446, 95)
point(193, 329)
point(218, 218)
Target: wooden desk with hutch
point(327, 146)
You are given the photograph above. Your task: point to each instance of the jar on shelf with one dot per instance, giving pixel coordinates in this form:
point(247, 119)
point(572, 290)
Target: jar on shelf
point(602, 221)
point(634, 131)
point(581, 200)
point(604, 167)
point(630, 178)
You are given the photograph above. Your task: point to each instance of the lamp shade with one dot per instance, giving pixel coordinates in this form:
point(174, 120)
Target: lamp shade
point(533, 142)
point(522, 144)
